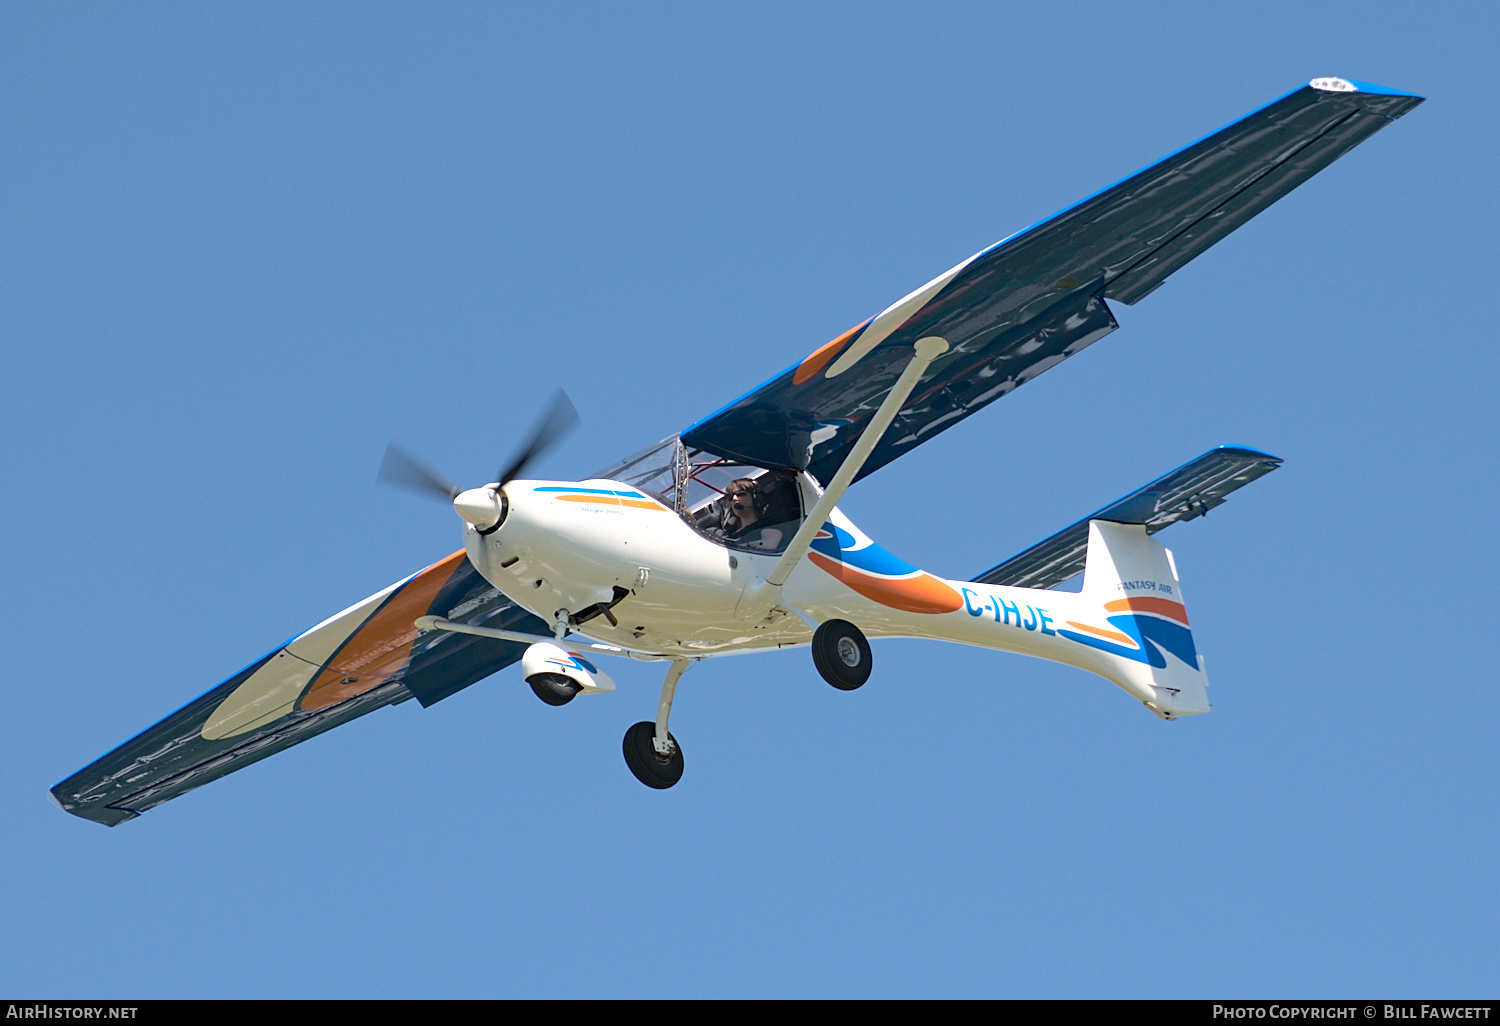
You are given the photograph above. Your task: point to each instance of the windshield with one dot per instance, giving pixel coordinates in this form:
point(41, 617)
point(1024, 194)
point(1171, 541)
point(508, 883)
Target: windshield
point(653, 469)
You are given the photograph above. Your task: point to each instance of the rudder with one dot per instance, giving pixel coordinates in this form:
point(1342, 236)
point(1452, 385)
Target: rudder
point(1134, 578)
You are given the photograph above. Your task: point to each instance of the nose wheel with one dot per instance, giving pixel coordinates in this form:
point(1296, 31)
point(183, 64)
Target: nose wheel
point(554, 688)
point(841, 654)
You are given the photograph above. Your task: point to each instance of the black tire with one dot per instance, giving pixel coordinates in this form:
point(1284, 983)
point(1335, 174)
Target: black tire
point(841, 654)
point(651, 769)
point(554, 688)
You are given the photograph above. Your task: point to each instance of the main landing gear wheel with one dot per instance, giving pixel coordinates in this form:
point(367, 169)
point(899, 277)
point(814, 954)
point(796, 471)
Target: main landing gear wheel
point(841, 654)
point(554, 688)
point(649, 766)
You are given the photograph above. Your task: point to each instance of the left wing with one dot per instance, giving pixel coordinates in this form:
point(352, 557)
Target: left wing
point(366, 657)
point(1037, 297)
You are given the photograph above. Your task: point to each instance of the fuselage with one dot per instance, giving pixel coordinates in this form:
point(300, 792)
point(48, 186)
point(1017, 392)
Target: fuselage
point(570, 547)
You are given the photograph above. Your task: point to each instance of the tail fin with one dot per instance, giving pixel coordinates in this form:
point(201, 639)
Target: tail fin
point(1134, 579)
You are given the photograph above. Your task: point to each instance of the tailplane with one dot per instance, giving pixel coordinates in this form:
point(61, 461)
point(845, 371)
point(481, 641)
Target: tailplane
point(1189, 491)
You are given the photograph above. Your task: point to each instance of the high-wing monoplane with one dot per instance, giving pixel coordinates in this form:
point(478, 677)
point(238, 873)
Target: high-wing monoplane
point(725, 538)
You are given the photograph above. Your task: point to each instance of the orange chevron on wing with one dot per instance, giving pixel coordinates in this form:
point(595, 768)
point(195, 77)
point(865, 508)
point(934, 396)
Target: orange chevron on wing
point(382, 645)
point(819, 357)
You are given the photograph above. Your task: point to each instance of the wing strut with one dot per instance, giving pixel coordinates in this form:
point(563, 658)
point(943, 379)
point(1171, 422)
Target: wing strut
point(438, 623)
point(927, 350)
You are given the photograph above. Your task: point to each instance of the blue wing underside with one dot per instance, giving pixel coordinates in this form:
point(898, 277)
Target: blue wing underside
point(1033, 299)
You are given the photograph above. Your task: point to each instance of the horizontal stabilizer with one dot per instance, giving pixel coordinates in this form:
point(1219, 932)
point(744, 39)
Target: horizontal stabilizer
point(1187, 492)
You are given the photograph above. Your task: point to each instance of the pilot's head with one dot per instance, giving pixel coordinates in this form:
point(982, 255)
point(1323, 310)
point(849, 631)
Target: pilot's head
point(743, 499)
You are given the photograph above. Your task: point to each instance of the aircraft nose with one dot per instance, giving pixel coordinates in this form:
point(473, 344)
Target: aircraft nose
point(480, 507)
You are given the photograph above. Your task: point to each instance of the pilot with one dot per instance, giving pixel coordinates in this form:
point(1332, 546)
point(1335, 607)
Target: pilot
point(744, 510)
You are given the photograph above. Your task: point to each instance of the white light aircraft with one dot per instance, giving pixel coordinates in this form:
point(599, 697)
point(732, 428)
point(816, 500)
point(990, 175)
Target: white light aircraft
point(726, 538)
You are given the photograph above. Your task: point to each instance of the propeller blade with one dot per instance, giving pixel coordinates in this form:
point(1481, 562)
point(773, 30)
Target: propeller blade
point(559, 420)
point(403, 470)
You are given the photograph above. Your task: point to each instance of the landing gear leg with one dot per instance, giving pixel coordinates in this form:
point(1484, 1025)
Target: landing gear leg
point(652, 753)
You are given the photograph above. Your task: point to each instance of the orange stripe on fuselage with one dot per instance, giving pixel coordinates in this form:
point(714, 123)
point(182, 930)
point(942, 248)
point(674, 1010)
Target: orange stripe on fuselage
point(382, 646)
point(924, 594)
point(1146, 604)
point(613, 500)
point(819, 357)
point(1101, 632)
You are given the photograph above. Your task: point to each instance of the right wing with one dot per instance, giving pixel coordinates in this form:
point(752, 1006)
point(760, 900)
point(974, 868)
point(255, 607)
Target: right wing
point(366, 657)
point(1187, 492)
point(1037, 297)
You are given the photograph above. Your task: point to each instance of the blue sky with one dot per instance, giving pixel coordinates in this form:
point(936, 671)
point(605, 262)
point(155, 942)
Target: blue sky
point(245, 246)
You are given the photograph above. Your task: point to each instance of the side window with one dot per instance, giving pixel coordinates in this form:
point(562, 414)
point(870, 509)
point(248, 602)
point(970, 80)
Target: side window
point(733, 504)
point(744, 507)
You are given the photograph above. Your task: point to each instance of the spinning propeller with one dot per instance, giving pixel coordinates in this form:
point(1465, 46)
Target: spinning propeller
point(483, 507)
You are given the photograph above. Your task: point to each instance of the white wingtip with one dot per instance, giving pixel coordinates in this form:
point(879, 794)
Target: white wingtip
point(1334, 85)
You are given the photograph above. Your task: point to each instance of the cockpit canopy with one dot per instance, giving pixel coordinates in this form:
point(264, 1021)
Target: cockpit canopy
point(703, 489)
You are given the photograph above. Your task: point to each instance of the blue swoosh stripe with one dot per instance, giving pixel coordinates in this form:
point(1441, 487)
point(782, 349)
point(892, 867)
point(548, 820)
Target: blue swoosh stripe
point(872, 559)
point(592, 491)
